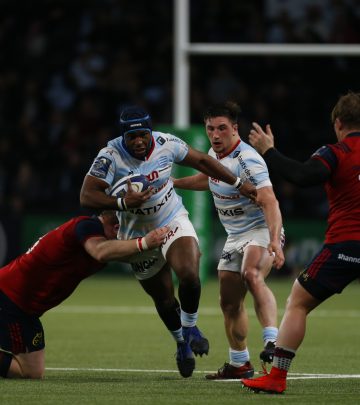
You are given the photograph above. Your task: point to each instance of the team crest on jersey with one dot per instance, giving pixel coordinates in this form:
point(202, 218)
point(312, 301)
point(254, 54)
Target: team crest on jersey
point(160, 140)
point(100, 167)
point(163, 161)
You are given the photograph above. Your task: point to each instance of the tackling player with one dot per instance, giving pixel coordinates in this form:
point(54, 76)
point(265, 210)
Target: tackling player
point(253, 231)
point(337, 264)
point(140, 150)
point(46, 275)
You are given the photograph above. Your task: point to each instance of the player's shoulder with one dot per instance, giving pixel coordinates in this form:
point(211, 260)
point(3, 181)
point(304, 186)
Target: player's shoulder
point(248, 153)
point(86, 226)
point(162, 138)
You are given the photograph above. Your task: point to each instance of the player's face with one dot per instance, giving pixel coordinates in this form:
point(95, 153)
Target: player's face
point(222, 133)
point(138, 142)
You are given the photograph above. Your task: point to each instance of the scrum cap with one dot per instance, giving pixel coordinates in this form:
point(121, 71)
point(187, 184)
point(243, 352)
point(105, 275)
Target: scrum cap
point(134, 118)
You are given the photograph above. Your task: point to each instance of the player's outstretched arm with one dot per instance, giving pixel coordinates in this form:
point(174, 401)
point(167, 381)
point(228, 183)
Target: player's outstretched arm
point(198, 182)
point(309, 173)
point(212, 168)
point(105, 250)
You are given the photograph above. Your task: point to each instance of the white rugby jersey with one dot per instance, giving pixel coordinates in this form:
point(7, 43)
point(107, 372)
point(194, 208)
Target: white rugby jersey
point(237, 213)
point(114, 162)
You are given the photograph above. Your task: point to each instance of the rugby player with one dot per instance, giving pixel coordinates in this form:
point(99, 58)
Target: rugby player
point(140, 150)
point(337, 264)
point(253, 244)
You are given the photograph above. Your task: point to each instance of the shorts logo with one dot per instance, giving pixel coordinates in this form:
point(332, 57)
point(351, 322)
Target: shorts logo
point(349, 259)
point(226, 255)
point(37, 339)
point(144, 266)
point(170, 235)
point(304, 276)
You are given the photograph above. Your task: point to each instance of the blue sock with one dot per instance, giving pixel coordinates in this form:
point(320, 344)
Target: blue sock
point(238, 357)
point(270, 334)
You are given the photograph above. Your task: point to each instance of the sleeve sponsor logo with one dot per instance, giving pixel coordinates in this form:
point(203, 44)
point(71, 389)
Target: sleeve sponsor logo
point(160, 140)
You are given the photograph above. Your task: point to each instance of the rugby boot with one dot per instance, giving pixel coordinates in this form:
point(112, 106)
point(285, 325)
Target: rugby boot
point(198, 343)
point(229, 372)
point(273, 383)
point(185, 359)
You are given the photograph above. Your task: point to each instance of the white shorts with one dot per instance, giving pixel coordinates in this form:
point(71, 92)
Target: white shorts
point(235, 245)
point(148, 263)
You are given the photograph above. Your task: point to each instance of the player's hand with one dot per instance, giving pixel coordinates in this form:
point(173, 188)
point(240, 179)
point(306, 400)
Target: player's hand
point(261, 140)
point(134, 199)
point(248, 190)
point(156, 237)
point(274, 248)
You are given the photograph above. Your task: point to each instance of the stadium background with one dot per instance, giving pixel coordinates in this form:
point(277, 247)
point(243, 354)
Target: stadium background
point(66, 69)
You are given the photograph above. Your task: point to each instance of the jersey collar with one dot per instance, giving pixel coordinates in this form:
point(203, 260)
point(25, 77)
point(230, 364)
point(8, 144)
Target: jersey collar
point(352, 134)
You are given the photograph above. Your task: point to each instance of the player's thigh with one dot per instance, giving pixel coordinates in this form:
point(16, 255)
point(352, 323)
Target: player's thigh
point(257, 260)
point(181, 248)
point(299, 298)
point(160, 286)
point(183, 256)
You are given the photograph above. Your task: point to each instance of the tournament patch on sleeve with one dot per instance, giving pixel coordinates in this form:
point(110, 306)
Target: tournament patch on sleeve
point(100, 167)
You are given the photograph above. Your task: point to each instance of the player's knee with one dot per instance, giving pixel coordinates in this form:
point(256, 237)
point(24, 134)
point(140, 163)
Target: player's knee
point(252, 278)
point(229, 308)
point(36, 373)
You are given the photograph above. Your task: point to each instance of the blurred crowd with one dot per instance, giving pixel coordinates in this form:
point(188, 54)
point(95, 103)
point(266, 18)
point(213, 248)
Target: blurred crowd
point(67, 68)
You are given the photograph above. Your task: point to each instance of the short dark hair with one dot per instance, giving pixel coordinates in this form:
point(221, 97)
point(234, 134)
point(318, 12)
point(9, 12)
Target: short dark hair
point(347, 109)
point(229, 109)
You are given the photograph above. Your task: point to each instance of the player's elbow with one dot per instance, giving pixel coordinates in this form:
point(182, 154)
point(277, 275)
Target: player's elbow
point(101, 256)
point(267, 201)
point(85, 199)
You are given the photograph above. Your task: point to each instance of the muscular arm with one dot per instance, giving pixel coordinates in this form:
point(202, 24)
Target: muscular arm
point(309, 173)
point(212, 168)
point(197, 182)
point(208, 165)
point(105, 250)
point(92, 194)
point(268, 202)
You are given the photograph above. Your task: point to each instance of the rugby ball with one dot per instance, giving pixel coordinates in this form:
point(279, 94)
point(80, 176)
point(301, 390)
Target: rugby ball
point(139, 183)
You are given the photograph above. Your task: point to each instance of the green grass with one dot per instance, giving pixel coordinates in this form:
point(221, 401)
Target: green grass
point(99, 339)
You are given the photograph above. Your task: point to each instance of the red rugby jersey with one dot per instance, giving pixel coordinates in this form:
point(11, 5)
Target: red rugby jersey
point(342, 188)
point(52, 268)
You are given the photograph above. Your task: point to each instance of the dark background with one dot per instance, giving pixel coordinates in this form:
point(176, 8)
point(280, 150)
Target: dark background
point(68, 67)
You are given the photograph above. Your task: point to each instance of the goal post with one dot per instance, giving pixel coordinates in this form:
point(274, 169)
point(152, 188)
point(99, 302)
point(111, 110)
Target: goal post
point(183, 48)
